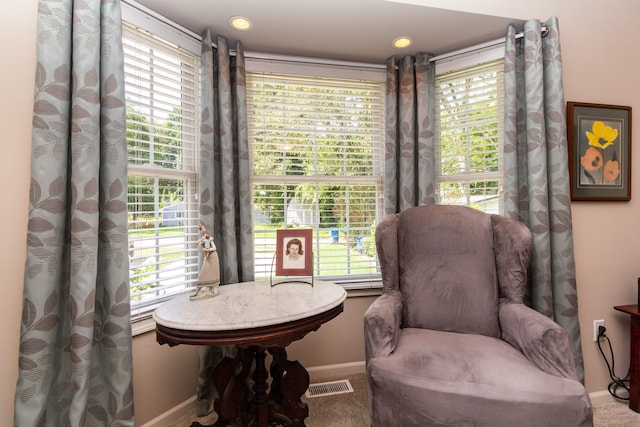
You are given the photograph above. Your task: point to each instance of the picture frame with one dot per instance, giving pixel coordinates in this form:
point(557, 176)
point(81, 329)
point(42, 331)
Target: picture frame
point(599, 148)
point(294, 254)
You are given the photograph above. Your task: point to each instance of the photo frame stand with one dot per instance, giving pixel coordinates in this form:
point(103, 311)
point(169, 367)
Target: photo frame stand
point(288, 279)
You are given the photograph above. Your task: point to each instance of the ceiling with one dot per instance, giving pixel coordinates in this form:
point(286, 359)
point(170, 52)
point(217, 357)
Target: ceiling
point(348, 30)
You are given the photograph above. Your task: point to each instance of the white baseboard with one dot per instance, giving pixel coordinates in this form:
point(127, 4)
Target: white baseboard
point(315, 373)
point(173, 414)
point(334, 371)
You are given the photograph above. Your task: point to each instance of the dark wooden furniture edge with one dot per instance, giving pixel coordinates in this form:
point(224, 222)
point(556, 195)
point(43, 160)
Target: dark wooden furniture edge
point(280, 334)
point(629, 309)
point(634, 357)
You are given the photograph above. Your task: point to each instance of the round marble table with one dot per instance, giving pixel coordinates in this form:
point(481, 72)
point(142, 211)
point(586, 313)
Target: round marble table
point(256, 318)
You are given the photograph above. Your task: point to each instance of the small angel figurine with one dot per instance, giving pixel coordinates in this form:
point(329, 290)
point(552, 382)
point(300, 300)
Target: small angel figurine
point(208, 282)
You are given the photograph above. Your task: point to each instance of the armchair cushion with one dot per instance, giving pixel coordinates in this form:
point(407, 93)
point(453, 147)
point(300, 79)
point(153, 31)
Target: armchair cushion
point(445, 256)
point(425, 383)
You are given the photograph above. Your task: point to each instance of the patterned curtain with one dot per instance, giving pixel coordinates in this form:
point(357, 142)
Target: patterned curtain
point(75, 366)
point(409, 139)
point(536, 178)
point(225, 190)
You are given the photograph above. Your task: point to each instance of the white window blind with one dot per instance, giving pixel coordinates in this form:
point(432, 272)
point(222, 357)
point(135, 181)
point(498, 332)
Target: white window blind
point(161, 87)
point(469, 122)
point(316, 146)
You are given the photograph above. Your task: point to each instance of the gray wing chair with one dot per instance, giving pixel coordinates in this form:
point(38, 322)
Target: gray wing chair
point(450, 343)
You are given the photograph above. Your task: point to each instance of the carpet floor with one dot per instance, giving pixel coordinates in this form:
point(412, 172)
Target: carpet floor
point(352, 410)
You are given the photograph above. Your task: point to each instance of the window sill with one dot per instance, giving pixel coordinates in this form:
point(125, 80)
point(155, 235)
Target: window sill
point(142, 325)
point(358, 293)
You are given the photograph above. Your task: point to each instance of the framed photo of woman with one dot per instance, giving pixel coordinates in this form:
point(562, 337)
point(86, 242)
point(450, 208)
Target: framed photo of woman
point(294, 252)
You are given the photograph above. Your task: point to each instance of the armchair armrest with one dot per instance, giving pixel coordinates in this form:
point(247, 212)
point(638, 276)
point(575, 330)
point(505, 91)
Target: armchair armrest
point(539, 338)
point(382, 325)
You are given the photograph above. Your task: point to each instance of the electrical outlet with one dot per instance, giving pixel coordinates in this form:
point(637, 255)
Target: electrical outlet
point(596, 327)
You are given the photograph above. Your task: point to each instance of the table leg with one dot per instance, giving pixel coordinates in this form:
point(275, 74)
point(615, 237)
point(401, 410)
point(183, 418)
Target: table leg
point(232, 403)
point(238, 405)
point(293, 381)
point(260, 386)
point(275, 391)
point(634, 365)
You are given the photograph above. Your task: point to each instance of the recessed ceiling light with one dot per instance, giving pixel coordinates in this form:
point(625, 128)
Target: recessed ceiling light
point(401, 42)
point(240, 23)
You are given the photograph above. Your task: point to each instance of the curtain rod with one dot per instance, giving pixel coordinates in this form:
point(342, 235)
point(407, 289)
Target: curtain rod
point(162, 19)
point(481, 46)
point(309, 60)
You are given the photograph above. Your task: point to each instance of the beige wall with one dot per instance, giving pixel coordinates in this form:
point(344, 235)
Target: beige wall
point(600, 66)
point(17, 65)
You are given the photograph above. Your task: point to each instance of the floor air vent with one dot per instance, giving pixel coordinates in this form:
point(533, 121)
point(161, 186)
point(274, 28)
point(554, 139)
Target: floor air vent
point(329, 388)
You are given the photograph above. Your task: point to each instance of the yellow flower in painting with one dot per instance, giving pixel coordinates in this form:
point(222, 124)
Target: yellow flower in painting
point(611, 170)
point(602, 135)
point(592, 159)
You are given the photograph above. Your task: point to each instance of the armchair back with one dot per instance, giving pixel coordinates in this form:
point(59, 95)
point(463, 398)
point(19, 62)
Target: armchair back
point(448, 263)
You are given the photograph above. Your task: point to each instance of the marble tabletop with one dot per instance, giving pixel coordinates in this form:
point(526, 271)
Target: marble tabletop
point(250, 305)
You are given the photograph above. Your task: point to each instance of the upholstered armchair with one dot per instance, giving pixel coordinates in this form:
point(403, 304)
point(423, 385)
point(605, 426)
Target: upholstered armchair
point(450, 343)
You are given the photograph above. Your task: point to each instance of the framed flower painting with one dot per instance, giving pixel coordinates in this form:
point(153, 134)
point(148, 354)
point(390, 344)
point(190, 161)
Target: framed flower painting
point(599, 138)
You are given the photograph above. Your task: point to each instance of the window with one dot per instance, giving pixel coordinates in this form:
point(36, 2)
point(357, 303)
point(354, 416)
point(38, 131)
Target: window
point(470, 112)
point(316, 136)
point(161, 87)
point(316, 146)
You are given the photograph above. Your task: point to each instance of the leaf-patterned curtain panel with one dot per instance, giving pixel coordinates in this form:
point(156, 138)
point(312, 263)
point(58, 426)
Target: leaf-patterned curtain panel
point(75, 365)
point(537, 175)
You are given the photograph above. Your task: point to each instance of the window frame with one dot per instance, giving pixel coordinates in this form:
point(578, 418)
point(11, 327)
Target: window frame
point(463, 62)
point(164, 28)
point(322, 71)
point(151, 24)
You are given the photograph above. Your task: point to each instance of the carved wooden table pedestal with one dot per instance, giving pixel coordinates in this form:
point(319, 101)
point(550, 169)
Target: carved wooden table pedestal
point(257, 319)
